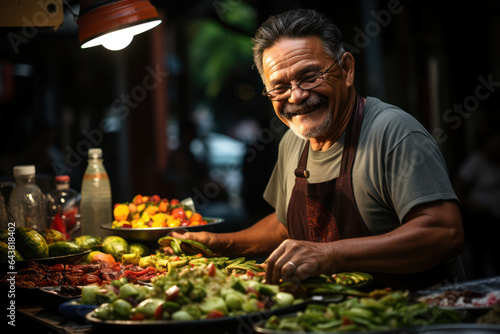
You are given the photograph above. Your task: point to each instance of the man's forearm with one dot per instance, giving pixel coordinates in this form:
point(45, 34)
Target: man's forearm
point(258, 240)
point(421, 243)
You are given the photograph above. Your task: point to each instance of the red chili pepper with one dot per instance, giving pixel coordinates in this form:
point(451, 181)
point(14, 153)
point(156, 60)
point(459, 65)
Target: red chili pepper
point(158, 312)
point(57, 267)
point(252, 290)
point(346, 321)
point(58, 225)
point(137, 316)
point(211, 269)
point(214, 314)
point(172, 293)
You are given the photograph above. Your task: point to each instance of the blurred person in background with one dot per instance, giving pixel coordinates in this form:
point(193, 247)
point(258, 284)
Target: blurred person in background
point(478, 188)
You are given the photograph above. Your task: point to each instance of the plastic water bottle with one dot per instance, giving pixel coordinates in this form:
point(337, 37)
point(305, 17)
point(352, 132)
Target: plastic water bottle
point(63, 207)
point(27, 201)
point(96, 205)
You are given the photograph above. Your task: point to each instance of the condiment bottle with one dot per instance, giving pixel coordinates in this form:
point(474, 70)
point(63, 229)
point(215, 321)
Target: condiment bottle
point(63, 207)
point(27, 201)
point(96, 205)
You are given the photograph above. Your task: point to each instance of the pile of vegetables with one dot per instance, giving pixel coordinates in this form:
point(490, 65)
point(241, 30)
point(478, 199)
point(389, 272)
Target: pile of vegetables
point(191, 293)
point(31, 244)
point(153, 211)
point(385, 310)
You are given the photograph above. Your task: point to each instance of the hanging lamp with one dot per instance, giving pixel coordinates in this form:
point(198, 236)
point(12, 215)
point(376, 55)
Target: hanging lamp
point(114, 23)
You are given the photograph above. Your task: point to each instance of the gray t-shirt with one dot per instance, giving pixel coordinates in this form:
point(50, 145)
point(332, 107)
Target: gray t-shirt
point(398, 165)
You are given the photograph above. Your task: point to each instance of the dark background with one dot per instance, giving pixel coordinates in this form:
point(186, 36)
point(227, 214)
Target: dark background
point(205, 131)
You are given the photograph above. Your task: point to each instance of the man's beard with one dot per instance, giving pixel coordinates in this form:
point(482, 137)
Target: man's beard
point(314, 101)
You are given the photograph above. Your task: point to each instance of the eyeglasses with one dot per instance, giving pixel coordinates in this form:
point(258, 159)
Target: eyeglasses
point(307, 83)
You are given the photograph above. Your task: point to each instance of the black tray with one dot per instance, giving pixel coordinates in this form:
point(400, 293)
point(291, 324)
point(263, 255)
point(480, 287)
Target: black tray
point(235, 324)
point(48, 261)
point(485, 285)
point(50, 297)
point(430, 329)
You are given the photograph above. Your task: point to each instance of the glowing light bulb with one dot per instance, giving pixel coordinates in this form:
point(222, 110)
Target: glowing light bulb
point(119, 39)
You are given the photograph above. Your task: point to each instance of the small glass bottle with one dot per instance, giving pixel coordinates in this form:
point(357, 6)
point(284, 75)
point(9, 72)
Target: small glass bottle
point(96, 204)
point(27, 201)
point(63, 205)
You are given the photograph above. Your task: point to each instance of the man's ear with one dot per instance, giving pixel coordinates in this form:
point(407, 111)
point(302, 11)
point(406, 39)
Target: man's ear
point(348, 65)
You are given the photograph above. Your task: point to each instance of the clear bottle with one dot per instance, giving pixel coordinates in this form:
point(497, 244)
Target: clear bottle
point(27, 201)
point(96, 204)
point(63, 203)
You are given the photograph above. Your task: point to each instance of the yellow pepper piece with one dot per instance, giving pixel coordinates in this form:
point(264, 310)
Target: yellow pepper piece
point(151, 210)
point(160, 218)
point(141, 207)
point(121, 212)
point(159, 224)
point(174, 222)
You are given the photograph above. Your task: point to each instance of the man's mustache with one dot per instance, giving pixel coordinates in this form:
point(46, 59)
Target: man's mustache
point(312, 102)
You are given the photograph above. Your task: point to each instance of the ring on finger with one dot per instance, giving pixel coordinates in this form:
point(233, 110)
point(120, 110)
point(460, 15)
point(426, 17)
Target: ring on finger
point(293, 266)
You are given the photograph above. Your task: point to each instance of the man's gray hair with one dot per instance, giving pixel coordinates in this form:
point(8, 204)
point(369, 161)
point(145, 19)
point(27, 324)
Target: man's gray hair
point(297, 23)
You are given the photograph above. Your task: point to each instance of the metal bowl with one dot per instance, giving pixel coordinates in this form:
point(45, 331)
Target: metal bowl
point(155, 233)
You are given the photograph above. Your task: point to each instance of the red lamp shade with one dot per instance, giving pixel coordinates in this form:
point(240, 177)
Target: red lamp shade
point(113, 23)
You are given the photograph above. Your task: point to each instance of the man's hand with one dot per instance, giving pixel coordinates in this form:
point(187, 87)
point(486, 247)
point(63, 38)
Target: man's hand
point(205, 238)
point(258, 240)
point(298, 260)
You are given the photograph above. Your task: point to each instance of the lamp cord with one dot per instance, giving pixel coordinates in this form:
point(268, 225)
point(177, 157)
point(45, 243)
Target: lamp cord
point(68, 7)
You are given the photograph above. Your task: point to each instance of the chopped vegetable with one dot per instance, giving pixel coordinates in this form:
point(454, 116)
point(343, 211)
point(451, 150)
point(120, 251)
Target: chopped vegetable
point(388, 312)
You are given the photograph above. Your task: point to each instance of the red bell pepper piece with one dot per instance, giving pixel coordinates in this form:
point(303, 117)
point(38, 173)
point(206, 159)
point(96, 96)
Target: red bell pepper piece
point(214, 314)
point(58, 225)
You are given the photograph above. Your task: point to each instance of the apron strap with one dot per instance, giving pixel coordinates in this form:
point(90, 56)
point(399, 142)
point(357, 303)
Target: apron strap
point(352, 137)
point(301, 170)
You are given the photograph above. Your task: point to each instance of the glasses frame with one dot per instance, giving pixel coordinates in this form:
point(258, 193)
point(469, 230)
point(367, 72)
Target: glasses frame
point(290, 87)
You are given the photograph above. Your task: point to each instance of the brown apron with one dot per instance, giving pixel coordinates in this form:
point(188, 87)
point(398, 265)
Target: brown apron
point(327, 211)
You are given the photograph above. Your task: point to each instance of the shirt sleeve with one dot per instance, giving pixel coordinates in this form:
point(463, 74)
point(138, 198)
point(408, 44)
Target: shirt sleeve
point(416, 173)
point(275, 193)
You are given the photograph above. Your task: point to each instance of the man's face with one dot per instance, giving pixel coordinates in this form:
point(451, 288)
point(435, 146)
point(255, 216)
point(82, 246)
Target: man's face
point(310, 114)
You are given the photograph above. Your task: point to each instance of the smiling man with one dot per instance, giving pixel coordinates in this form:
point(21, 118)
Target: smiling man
point(359, 185)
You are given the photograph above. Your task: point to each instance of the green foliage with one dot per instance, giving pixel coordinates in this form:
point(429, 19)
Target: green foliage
point(216, 51)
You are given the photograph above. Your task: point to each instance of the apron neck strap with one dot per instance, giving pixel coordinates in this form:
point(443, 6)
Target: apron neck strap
point(301, 170)
point(352, 136)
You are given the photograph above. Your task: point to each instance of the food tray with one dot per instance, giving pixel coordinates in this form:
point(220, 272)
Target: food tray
point(155, 233)
point(430, 329)
point(234, 324)
point(485, 286)
point(48, 261)
point(49, 297)
point(73, 310)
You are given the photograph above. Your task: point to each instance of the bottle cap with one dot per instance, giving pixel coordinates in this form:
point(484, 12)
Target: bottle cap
point(24, 170)
point(62, 178)
point(95, 153)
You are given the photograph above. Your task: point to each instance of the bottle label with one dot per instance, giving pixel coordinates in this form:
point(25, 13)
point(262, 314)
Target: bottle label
point(99, 176)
